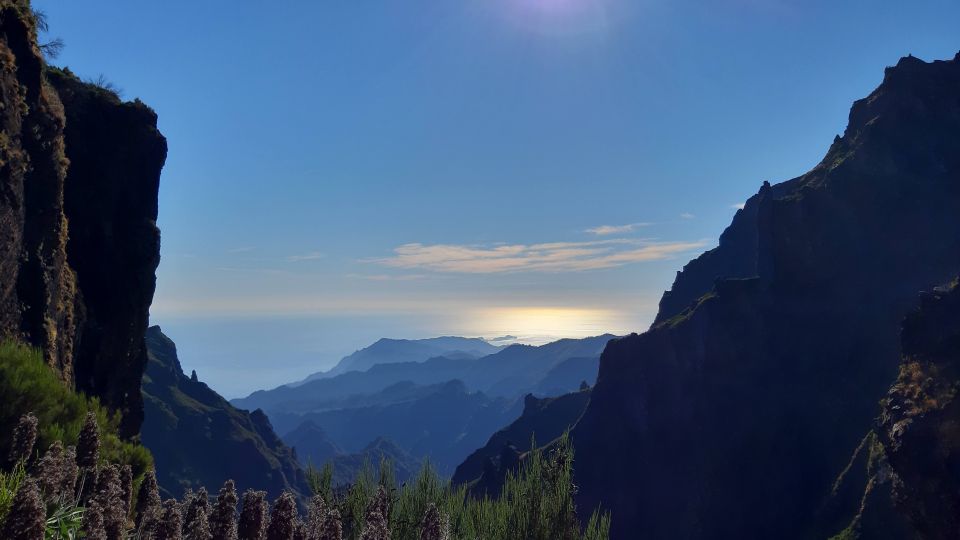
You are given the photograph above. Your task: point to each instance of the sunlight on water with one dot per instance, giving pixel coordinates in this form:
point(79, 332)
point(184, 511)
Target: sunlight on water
point(537, 325)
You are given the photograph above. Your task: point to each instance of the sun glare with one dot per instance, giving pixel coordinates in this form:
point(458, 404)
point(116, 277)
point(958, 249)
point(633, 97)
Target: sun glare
point(554, 6)
point(537, 325)
point(560, 16)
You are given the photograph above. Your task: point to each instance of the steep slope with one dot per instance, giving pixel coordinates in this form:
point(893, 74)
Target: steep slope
point(568, 376)
point(79, 174)
point(733, 415)
point(198, 439)
point(543, 420)
point(919, 428)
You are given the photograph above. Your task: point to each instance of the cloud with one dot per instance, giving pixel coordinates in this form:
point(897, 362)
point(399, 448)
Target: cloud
point(605, 230)
point(312, 256)
point(387, 277)
point(738, 206)
point(687, 215)
point(546, 257)
point(265, 271)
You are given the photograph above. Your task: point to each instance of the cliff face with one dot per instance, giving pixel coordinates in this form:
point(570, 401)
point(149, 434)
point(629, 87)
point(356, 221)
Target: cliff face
point(115, 154)
point(38, 287)
point(734, 414)
point(79, 174)
point(919, 428)
point(199, 439)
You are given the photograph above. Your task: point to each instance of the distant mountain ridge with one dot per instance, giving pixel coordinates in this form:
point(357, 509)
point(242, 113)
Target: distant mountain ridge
point(440, 408)
point(509, 372)
point(387, 350)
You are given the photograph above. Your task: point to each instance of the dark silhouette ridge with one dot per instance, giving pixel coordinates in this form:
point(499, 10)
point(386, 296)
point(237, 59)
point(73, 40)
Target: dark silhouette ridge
point(735, 413)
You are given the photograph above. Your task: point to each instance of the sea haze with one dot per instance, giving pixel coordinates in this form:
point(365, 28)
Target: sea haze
point(239, 355)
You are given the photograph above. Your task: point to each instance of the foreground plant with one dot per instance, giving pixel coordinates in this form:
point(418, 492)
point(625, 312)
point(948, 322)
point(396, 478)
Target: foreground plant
point(536, 503)
point(26, 519)
point(86, 492)
point(24, 438)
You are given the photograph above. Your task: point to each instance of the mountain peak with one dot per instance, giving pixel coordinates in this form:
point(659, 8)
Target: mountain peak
point(791, 323)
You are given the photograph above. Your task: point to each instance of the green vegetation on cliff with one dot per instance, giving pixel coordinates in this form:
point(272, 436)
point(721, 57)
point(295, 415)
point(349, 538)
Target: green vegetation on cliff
point(27, 384)
point(200, 440)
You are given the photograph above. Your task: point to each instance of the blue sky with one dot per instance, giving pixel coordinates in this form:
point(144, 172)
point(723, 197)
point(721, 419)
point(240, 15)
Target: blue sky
point(343, 171)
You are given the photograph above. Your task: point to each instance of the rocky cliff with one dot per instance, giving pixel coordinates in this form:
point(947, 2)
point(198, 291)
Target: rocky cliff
point(734, 414)
point(199, 439)
point(919, 428)
point(79, 174)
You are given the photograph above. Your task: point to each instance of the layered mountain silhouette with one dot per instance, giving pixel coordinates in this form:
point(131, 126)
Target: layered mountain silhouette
point(387, 351)
point(559, 367)
point(443, 424)
point(439, 409)
point(198, 439)
point(315, 448)
point(737, 412)
point(312, 443)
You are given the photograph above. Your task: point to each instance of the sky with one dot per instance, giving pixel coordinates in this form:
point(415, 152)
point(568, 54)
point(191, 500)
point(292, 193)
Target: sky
point(344, 171)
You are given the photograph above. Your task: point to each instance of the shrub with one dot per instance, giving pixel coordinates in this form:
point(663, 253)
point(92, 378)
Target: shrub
point(24, 438)
point(26, 519)
point(283, 518)
point(223, 520)
point(148, 500)
point(253, 516)
point(93, 522)
point(536, 504)
point(27, 384)
point(197, 527)
point(170, 525)
point(9, 484)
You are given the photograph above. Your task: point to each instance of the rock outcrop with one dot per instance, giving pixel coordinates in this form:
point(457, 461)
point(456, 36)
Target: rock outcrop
point(919, 428)
point(79, 175)
point(733, 415)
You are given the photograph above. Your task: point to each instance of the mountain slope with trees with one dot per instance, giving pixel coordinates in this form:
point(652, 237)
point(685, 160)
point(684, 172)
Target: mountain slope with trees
point(200, 440)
